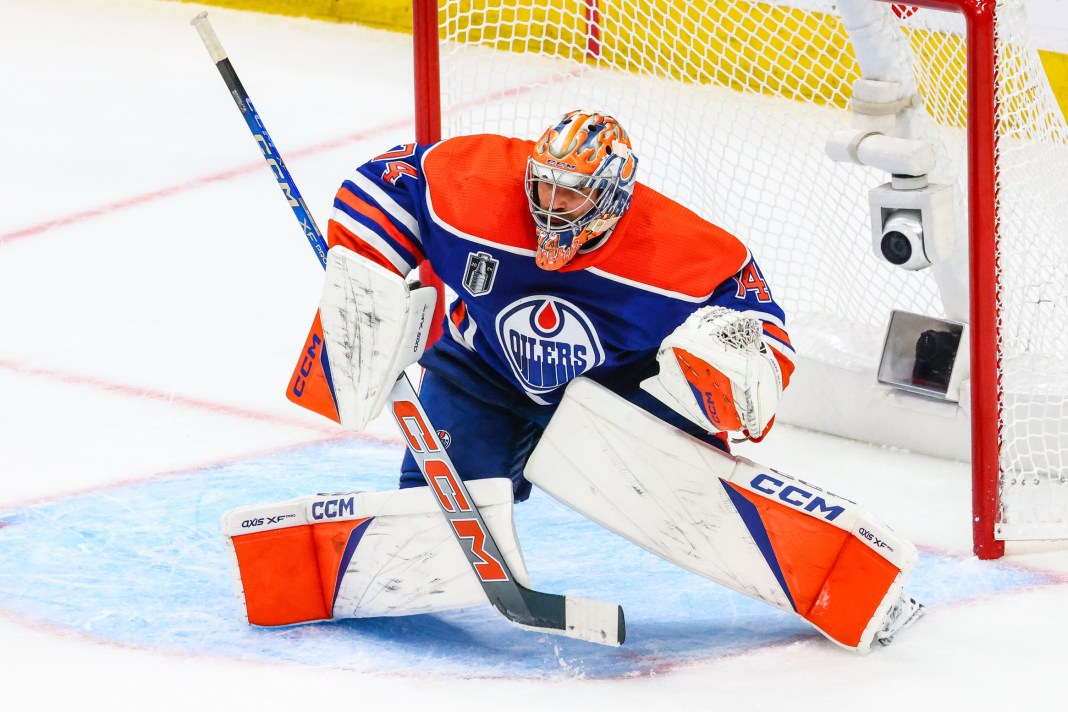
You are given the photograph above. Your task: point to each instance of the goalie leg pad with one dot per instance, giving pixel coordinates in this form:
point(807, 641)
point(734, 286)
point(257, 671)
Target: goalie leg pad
point(360, 555)
point(748, 527)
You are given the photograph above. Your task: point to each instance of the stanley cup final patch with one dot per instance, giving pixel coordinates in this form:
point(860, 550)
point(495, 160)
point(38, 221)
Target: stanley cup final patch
point(480, 271)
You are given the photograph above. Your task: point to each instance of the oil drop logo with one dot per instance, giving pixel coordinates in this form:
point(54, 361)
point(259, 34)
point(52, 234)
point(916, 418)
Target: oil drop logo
point(548, 342)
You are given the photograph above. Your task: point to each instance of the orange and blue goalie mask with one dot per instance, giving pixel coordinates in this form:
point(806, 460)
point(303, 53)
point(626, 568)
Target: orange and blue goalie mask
point(579, 182)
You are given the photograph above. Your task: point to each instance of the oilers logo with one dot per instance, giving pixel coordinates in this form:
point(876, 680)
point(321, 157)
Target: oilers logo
point(547, 342)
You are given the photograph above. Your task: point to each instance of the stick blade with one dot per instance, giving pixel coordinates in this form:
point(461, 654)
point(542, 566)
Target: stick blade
point(570, 616)
point(595, 621)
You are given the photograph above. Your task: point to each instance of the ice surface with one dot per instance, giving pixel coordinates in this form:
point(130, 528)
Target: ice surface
point(156, 292)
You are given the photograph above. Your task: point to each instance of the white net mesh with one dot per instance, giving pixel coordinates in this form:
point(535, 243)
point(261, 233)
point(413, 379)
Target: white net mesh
point(1033, 276)
point(729, 104)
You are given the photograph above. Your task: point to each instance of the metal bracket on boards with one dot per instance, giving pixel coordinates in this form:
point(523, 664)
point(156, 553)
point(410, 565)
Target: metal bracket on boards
point(925, 355)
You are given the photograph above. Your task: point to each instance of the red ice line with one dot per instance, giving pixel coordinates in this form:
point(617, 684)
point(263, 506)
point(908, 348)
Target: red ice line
point(257, 165)
point(136, 200)
point(325, 433)
point(162, 396)
point(337, 436)
point(194, 184)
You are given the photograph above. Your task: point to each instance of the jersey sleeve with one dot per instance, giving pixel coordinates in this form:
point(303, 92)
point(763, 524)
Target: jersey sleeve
point(748, 292)
point(376, 210)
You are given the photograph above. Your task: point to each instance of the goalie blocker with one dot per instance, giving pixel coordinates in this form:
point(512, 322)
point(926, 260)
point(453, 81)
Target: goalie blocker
point(370, 326)
point(753, 529)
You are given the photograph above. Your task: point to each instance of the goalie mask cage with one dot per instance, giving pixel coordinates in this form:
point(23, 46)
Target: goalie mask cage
point(729, 104)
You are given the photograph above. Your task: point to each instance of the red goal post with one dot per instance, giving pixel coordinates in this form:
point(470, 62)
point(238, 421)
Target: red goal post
point(731, 103)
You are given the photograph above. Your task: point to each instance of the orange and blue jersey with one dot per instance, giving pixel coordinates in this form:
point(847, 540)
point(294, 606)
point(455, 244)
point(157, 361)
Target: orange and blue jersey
point(460, 205)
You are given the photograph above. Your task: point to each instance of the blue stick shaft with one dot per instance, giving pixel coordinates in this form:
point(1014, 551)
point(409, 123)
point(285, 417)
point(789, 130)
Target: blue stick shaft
point(263, 139)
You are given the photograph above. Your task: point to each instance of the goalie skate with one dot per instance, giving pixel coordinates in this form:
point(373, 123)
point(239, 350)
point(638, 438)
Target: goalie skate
point(903, 614)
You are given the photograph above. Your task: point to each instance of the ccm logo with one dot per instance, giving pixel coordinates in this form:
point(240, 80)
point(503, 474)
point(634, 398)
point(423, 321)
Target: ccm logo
point(710, 408)
point(306, 365)
point(333, 508)
point(279, 172)
point(796, 497)
point(451, 494)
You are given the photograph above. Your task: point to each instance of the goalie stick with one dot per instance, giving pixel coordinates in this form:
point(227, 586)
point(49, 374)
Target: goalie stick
point(580, 618)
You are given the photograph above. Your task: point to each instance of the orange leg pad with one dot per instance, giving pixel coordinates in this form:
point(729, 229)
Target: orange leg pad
point(334, 544)
point(853, 590)
point(835, 580)
point(280, 576)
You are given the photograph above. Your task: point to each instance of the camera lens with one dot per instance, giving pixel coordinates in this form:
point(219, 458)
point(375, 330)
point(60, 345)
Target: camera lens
point(933, 345)
point(935, 352)
point(896, 248)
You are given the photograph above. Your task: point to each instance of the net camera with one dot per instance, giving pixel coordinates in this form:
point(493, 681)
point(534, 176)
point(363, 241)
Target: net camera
point(901, 242)
point(912, 222)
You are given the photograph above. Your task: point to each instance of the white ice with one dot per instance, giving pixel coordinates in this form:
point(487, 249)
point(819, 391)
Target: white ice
point(155, 291)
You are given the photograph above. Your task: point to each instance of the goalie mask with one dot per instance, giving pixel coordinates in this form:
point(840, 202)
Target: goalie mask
point(579, 182)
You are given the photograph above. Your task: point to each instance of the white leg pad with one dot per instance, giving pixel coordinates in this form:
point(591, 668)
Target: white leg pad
point(359, 555)
point(748, 527)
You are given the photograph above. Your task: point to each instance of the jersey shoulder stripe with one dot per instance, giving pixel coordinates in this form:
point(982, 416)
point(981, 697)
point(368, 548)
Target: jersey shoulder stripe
point(373, 248)
point(372, 192)
point(377, 220)
point(646, 287)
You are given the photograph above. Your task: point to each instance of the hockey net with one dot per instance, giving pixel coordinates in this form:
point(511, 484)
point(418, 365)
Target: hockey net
point(729, 104)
